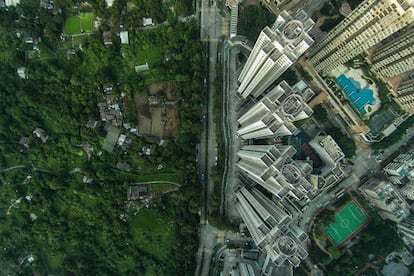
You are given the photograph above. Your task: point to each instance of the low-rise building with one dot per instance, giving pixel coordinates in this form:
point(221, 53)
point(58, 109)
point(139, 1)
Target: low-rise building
point(11, 2)
point(107, 38)
point(332, 157)
point(401, 173)
point(24, 141)
point(109, 3)
point(23, 73)
point(141, 68)
point(406, 230)
point(135, 192)
point(387, 199)
point(147, 21)
point(123, 166)
point(124, 37)
point(109, 109)
point(41, 134)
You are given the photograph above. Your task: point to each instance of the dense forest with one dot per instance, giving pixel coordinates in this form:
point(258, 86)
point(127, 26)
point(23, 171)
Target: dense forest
point(53, 222)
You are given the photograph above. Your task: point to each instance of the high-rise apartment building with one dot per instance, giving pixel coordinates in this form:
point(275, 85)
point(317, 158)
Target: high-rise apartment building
point(276, 49)
point(368, 24)
point(272, 168)
point(271, 228)
point(275, 113)
point(397, 56)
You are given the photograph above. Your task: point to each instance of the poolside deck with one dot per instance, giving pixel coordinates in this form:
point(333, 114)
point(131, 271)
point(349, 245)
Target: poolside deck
point(355, 76)
point(360, 97)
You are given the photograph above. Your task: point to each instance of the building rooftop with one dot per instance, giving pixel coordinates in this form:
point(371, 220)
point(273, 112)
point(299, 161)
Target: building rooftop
point(331, 147)
point(124, 37)
point(22, 73)
point(147, 21)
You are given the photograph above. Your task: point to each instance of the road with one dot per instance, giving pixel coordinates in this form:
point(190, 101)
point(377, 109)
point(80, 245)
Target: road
point(211, 29)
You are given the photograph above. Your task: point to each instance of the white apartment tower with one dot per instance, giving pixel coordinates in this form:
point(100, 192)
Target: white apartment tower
point(272, 168)
point(397, 56)
point(275, 113)
point(271, 228)
point(276, 49)
point(368, 24)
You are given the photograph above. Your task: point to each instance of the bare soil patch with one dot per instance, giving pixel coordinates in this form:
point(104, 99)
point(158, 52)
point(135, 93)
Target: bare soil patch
point(164, 89)
point(143, 114)
point(160, 119)
point(157, 127)
point(170, 127)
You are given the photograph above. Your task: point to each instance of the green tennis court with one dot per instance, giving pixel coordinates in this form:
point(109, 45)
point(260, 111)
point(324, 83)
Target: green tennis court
point(348, 222)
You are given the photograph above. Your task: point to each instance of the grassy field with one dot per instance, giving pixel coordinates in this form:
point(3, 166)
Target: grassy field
point(142, 50)
point(86, 19)
point(54, 262)
point(153, 234)
point(161, 186)
point(72, 25)
point(173, 177)
point(149, 54)
point(78, 24)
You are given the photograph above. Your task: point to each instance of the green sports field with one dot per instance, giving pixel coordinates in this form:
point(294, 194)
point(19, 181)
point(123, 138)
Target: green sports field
point(348, 222)
point(78, 24)
point(86, 22)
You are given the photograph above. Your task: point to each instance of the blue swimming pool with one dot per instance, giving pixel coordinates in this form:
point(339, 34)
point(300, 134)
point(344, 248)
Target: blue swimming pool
point(359, 97)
